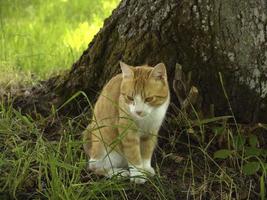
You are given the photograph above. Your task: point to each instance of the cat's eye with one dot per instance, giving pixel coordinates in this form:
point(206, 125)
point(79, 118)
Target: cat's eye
point(129, 98)
point(149, 99)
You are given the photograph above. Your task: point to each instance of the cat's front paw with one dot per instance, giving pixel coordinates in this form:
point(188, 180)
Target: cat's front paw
point(94, 165)
point(150, 171)
point(118, 172)
point(137, 176)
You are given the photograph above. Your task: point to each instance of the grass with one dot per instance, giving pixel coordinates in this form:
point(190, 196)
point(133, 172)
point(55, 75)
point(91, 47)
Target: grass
point(42, 158)
point(36, 164)
point(45, 37)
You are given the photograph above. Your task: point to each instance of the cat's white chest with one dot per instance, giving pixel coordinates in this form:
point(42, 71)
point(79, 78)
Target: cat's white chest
point(153, 121)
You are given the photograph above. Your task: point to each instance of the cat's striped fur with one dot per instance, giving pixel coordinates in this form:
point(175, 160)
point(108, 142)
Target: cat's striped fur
point(127, 117)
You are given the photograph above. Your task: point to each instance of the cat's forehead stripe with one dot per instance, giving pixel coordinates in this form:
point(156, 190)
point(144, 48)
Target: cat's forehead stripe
point(139, 88)
point(141, 75)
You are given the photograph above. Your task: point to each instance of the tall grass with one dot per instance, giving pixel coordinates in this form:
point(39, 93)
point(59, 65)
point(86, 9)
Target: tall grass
point(43, 158)
point(40, 164)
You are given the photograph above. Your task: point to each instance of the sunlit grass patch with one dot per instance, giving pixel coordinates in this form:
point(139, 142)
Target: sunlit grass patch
point(44, 37)
point(78, 38)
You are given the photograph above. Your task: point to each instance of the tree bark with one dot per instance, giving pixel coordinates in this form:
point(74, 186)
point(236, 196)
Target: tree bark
point(205, 36)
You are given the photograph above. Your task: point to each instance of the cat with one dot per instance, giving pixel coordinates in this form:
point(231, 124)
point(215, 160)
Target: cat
point(126, 119)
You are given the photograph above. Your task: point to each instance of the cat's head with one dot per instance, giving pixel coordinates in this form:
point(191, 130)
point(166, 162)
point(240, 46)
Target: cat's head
point(144, 88)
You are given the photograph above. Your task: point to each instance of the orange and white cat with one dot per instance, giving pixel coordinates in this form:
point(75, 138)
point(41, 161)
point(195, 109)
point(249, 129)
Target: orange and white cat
point(126, 120)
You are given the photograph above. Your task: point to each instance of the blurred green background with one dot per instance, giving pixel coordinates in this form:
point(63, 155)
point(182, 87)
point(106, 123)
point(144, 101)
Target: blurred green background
point(43, 37)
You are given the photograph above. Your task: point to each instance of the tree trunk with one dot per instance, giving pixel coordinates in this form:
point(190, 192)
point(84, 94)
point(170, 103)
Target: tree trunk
point(205, 36)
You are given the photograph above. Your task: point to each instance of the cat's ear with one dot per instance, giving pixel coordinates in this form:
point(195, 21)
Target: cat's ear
point(159, 71)
point(127, 71)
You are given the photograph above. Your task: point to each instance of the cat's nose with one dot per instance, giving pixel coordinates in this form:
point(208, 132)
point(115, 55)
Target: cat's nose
point(140, 113)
